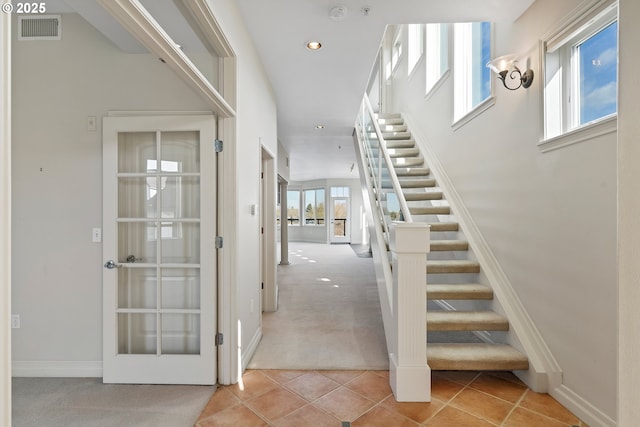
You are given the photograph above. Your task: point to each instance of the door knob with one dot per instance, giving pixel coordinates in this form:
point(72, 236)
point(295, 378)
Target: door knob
point(111, 264)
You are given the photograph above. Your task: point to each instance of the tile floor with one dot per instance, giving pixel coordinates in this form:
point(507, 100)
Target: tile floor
point(363, 398)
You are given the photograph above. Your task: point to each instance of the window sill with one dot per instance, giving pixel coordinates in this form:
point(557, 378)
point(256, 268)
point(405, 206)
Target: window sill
point(437, 84)
point(477, 110)
point(601, 127)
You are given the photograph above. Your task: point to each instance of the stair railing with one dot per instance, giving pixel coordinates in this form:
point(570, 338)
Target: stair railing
point(401, 276)
point(393, 206)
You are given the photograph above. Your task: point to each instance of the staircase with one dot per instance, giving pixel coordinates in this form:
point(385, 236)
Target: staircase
point(452, 275)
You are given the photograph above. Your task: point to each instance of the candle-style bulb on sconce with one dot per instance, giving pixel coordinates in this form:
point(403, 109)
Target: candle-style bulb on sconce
point(505, 66)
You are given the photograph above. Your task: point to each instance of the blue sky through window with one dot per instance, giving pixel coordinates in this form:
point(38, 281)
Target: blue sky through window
point(598, 74)
point(486, 57)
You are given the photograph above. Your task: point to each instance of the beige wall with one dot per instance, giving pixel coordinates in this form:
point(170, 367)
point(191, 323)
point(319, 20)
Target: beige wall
point(629, 212)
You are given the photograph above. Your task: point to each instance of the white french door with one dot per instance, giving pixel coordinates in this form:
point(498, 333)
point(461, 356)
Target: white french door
point(340, 220)
point(159, 227)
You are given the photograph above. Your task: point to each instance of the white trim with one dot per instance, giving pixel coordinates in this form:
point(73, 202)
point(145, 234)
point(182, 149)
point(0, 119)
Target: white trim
point(5, 222)
point(589, 131)
point(574, 21)
point(475, 112)
point(248, 353)
point(133, 17)
point(268, 221)
point(45, 368)
point(229, 367)
point(437, 84)
point(581, 407)
point(132, 113)
point(541, 360)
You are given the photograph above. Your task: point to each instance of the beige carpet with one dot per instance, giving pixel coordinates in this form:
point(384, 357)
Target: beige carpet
point(329, 313)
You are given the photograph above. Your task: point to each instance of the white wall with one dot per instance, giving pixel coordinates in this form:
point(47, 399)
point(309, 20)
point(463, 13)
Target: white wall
point(57, 181)
point(57, 270)
point(5, 219)
point(549, 218)
point(256, 125)
point(629, 212)
point(284, 169)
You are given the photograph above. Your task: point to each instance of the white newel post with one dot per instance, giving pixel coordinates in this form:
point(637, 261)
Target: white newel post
point(410, 375)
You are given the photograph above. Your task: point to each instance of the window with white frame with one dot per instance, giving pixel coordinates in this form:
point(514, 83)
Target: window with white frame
point(415, 46)
point(581, 65)
point(314, 206)
point(339, 191)
point(293, 207)
point(437, 53)
point(472, 79)
point(396, 53)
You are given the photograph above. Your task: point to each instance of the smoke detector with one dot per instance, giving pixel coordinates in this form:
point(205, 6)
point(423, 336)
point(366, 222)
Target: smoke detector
point(338, 13)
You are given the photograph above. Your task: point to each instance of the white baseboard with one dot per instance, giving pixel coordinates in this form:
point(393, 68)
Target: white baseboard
point(81, 369)
point(581, 408)
point(248, 353)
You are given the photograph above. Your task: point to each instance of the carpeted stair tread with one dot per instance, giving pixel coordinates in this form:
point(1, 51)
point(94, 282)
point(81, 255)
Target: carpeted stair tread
point(403, 162)
point(452, 266)
point(411, 183)
point(392, 127)
point(466, 321)
point(401, 143)
point(430, 210)
point(449, 245)
point(475, 357)
point(417, 183)
point(408, 171)
point(459, 291)
point(423, 195)
point(388, 116)
point(444, 226)
point(396, 135)
point(403, 152)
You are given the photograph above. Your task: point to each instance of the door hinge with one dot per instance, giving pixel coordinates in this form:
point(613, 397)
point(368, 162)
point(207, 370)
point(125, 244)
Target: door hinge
point(218, 144)
point(219, 242)
point(262, 285)
point(219, 339)
point(261, 175)
point(261, 230)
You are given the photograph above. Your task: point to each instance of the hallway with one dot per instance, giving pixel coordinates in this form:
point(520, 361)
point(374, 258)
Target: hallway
point(329, 314)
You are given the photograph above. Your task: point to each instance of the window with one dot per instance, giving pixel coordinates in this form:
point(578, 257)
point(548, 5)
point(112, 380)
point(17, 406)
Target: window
point(415, 45)
point(396, 53)
point(314, 207)
point(437, 62)
point(581, 65)
point(293, 207)
point(472, 79)
point(339, 191)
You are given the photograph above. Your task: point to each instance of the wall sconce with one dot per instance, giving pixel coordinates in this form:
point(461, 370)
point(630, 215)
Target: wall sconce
point(506, 65)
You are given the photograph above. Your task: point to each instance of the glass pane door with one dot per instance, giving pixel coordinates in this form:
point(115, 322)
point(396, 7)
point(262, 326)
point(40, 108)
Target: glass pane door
point(158, 228)
point(340, 221)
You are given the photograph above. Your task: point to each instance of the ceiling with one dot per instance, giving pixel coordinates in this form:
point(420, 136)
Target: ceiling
point(312, 88)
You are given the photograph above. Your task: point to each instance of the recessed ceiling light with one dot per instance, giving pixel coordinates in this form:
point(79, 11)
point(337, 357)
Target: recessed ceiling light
point(319, 126)
point(314, 45)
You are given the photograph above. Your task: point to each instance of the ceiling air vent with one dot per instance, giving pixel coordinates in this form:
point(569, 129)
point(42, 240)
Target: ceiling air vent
point(41, 27)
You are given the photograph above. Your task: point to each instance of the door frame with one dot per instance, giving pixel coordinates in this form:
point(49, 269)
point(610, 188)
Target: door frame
point(143, 28)
point(169, 121)
point(347, 224)
point(268, 246)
